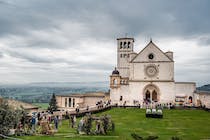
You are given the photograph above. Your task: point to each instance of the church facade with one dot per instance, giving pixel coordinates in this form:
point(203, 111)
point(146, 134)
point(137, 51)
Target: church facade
point(147, 76)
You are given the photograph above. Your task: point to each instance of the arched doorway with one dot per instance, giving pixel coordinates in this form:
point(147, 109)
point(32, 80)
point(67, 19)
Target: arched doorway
point(190, 99)
point(151, 93)
point(147, 95)
point(154, 96)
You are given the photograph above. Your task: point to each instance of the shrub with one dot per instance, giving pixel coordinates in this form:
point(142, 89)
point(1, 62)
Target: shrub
point(9, 118)
point(136, 137)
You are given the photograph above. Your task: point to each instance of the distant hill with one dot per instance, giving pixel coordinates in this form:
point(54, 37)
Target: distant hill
point(42, 92)
point(204, 88)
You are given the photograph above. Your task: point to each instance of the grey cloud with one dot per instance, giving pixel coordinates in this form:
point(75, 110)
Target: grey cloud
point(28, 57)
point(65, 24)
point(146, 17)
point(1, 55)
point(151, 18)
point(204, 41)
point(95, 66)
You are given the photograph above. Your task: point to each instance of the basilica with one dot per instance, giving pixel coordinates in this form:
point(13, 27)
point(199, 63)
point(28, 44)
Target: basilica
point(144, 77)
point(147, 76)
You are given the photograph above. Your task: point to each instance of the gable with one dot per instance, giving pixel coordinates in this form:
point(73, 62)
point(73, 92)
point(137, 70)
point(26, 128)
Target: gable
point(151, 53)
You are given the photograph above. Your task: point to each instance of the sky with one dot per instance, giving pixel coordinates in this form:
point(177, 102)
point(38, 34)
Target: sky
point(75, 41)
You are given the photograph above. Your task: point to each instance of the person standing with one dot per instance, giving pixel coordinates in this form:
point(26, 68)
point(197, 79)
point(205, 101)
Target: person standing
point(33, 123)
point(74, 121)
point(71, 118)
point(56, 122)
point(60, 119)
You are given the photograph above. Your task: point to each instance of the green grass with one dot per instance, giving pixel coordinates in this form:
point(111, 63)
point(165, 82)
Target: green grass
point(186, 124)
point(42, 105)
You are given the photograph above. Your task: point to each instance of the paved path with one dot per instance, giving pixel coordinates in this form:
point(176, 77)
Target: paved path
point(83, 111)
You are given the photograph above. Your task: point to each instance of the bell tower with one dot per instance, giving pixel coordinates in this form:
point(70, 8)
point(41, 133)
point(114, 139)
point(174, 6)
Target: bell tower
point(124, 50)
point(115, 79)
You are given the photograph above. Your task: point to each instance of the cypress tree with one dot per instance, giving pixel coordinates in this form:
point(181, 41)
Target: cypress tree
point(53, 104)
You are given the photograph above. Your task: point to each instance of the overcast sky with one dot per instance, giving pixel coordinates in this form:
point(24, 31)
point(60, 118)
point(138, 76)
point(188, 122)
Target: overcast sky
point(68, 41)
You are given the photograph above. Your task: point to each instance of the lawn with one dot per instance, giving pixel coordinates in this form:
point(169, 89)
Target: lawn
point(186, 124)
point(42, 105)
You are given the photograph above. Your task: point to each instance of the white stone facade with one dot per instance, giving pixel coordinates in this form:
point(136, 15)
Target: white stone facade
point(72, 101)
point(146, 77)
point(202, 99)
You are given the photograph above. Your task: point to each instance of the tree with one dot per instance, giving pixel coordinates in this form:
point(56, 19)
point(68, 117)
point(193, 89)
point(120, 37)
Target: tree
point(53, 104)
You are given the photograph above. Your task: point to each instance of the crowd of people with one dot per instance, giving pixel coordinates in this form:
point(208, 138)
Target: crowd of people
point(100, 104)
point(51, 121)
point(41, 122)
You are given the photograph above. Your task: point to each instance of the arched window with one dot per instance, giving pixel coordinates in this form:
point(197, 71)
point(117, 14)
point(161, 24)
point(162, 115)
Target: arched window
point(147, 95)
point(115, 81)
point(154, 96)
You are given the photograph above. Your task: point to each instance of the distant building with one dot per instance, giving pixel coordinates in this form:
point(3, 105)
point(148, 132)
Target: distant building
point(72, 101)
point(15, 104)
point(203, 98)
point(147, 76)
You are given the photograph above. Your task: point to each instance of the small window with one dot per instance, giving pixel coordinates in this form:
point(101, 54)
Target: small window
point(128, 55)
point(125, 55)
point(121, 55)
point(121, 98)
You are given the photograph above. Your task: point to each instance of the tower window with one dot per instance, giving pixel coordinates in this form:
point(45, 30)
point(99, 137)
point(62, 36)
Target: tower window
point(115, 81)
point(120, 45)
point(124, 45)
point(129, 43)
